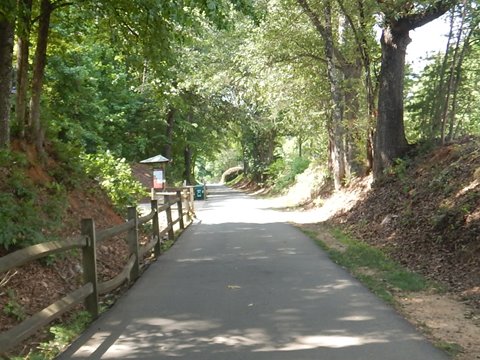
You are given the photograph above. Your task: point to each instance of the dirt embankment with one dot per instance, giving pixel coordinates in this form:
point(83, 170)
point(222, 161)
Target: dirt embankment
point(30, 288)
point(426, 215)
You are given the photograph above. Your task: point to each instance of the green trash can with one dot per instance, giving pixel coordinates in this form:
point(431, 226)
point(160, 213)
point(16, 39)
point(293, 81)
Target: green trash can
point(199, 192)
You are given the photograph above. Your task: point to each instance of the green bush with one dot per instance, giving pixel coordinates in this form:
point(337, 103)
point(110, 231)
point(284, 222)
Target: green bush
point(69, 171)
point(282, 173)
point(115, 177)
point(62, 335)
point(13, 308)
point(29, 213)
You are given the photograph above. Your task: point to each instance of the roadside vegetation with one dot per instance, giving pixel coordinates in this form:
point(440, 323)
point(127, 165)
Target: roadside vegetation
point(292, 94)
point(370, 265)
point(386, 278)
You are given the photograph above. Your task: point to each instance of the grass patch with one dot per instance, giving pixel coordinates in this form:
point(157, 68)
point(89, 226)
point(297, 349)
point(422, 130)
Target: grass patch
point(313, 235)
point(166, 244)
point(451, 349)
point(62, 335)
point(236, 180)
point(371, 266)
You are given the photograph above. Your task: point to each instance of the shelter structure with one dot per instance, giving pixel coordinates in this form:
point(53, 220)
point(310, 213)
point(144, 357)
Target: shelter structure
point(157, 163)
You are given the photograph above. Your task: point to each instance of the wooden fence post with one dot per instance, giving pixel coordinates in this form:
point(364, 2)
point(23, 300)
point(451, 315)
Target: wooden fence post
point(186, 195)
point(89, 259)
point(171, 233)
point(156, 229)
point(132, 239)
point(191, 200)
point(180, 209)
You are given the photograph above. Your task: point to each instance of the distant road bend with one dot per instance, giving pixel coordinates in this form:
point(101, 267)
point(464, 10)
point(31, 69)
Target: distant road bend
point(242, 284)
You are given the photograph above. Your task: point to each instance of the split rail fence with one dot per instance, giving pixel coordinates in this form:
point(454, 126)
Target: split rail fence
point(88, 240)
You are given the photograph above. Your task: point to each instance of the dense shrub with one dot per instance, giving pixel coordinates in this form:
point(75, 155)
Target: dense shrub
point(115, 177)
point(282, 173)
point(29, 213)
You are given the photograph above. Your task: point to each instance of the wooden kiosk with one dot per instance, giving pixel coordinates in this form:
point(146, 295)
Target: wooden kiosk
point(158, 163)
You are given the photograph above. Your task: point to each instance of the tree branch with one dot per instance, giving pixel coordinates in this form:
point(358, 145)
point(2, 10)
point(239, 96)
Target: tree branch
point(296, 57)
point(356, 34)
point(433, 12)
point(123, 22)
point(58, 4)
point(320, 28)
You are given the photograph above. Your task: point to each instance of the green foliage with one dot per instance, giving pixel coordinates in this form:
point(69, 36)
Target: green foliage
point(69, 172)
point(450, 348)
point(12, 308)
point(213, 169)
point(444, 94)
point(276, 169)
point(166, 244)
point(236, 180)
point(63, 334)
point(283, 173)
point(115, 177)
point(399, 169)
point(361, 255)
point(371, 266)
point(29, 213)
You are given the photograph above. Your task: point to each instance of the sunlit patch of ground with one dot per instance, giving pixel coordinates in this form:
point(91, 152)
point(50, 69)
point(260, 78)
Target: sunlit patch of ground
point(446, 320)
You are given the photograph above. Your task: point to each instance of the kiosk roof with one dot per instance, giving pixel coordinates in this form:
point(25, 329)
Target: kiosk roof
point(155, 159)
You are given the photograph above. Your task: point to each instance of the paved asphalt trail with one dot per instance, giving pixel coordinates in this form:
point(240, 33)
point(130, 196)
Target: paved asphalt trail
point(242, 284)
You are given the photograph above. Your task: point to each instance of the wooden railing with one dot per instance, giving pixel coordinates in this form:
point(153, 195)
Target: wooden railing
point(87, 242)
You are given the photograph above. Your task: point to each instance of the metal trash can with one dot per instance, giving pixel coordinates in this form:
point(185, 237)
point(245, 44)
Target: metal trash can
point(199, 192)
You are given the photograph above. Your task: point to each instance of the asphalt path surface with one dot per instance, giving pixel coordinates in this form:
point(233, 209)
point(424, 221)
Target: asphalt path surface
point(241, 283)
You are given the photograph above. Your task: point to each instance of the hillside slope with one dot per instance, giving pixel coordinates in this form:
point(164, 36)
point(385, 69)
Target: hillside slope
point(426, 214)
point(42, 203)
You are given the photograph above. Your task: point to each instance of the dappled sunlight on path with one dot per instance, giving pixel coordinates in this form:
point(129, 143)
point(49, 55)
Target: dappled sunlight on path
point(242, 284)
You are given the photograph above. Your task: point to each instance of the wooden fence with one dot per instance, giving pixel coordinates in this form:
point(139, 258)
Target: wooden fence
point(87, 242)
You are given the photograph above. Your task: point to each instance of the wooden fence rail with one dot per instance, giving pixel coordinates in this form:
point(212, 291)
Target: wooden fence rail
point(87, 242)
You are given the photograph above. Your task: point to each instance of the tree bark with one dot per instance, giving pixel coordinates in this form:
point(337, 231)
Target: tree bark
point(167, 148)
point(451, 77)
point(336, 129)
point(40, 61)
point(370, 85)
point(187, 155)
point(6, 53)
point(337, 132)
point(458, 79)
point(23, 48)
point(439, 99)
point(353, 135)
point(390, 141)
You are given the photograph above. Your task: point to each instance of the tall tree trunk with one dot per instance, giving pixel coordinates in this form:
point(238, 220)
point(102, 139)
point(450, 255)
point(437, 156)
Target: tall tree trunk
point(6, 51)
point(439, 99)
point(370, 85)
point(451, 77)
point(167, 148)
point(23, 47)
point(300, 145)
point(390, 141)
point(352, 74)
point(40, 61)
point(353, 135)
point(456, 84)
point(360, 32)
point(337, 132)
point(334, 59)
point(187, 156)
